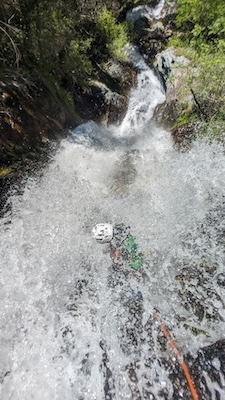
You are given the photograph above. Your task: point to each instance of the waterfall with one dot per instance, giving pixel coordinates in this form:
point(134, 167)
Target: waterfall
point(146, 11)
point(147, 94)
point(71, 326)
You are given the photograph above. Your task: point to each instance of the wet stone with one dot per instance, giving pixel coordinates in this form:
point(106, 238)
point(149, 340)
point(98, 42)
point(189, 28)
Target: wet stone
point(221, 280)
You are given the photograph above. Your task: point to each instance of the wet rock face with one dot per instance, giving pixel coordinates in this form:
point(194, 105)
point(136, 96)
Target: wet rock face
point(174, 70)
point(169, 63)
point(153, 372)
point(100, 104)
point(207, 368)
point(29, 117)
point(153, 32)
point(105, 100)
point(153, 38)
point(150, 367)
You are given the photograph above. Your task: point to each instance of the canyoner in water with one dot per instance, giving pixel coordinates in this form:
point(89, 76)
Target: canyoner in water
point(123, 247)
point(125, 256)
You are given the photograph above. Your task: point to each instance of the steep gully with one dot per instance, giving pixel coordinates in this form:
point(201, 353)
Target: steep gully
point(73, 327)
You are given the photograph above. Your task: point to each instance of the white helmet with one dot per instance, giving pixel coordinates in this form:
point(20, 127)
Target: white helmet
point(103, 233)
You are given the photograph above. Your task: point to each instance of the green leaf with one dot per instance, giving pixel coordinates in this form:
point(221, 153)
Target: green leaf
point(136, 261)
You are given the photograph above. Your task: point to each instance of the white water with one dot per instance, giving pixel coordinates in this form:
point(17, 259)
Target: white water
point(147, 94)
point(67, 326)
point(146, 11)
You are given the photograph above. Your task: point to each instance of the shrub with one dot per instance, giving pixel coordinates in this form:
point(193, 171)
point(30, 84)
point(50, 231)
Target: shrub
point(113, 35)
point(201, 36)
point(202, 22)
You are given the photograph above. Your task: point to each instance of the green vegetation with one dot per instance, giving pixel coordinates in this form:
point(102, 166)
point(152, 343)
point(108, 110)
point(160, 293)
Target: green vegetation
point(202, 23)
point(113, 35)
point(5, 172)
point(60, 41)
point(135, 260)
point(201, 36)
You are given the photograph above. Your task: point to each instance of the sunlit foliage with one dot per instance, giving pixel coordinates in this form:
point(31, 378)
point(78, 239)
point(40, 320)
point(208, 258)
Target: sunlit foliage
point(202, 22)
point(201, 26)
point(61, 39)
point(113, 35)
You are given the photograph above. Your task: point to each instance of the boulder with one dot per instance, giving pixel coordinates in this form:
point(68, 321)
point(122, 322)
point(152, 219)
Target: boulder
point(101, 104)
point(106, 98)
point(181, 112)
point(174, 70)
point(153, 25)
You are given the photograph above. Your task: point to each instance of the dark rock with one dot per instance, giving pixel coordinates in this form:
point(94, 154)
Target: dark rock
point(184, 135)
point(100, 104)
point(141, 25)
point(208, 368)
point(150, 45)
point(152, 30)
point(171, 66)
point(174, 71)
point(30, 117)
point(221, 280)
point(106, 98)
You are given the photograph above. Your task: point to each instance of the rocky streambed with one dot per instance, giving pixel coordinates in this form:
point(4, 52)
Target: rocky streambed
point(32, 122)
point(34, 115)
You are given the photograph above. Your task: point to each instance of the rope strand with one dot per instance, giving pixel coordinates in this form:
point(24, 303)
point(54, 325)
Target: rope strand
point(182, 363)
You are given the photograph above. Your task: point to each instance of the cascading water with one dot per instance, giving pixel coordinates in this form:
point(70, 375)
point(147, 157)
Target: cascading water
point(146, 11)
point(71, 326)
point(148, 87)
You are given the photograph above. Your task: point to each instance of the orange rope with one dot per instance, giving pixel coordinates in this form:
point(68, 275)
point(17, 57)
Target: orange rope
point(172, 345)
point(182, 363)
point(116, 254)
